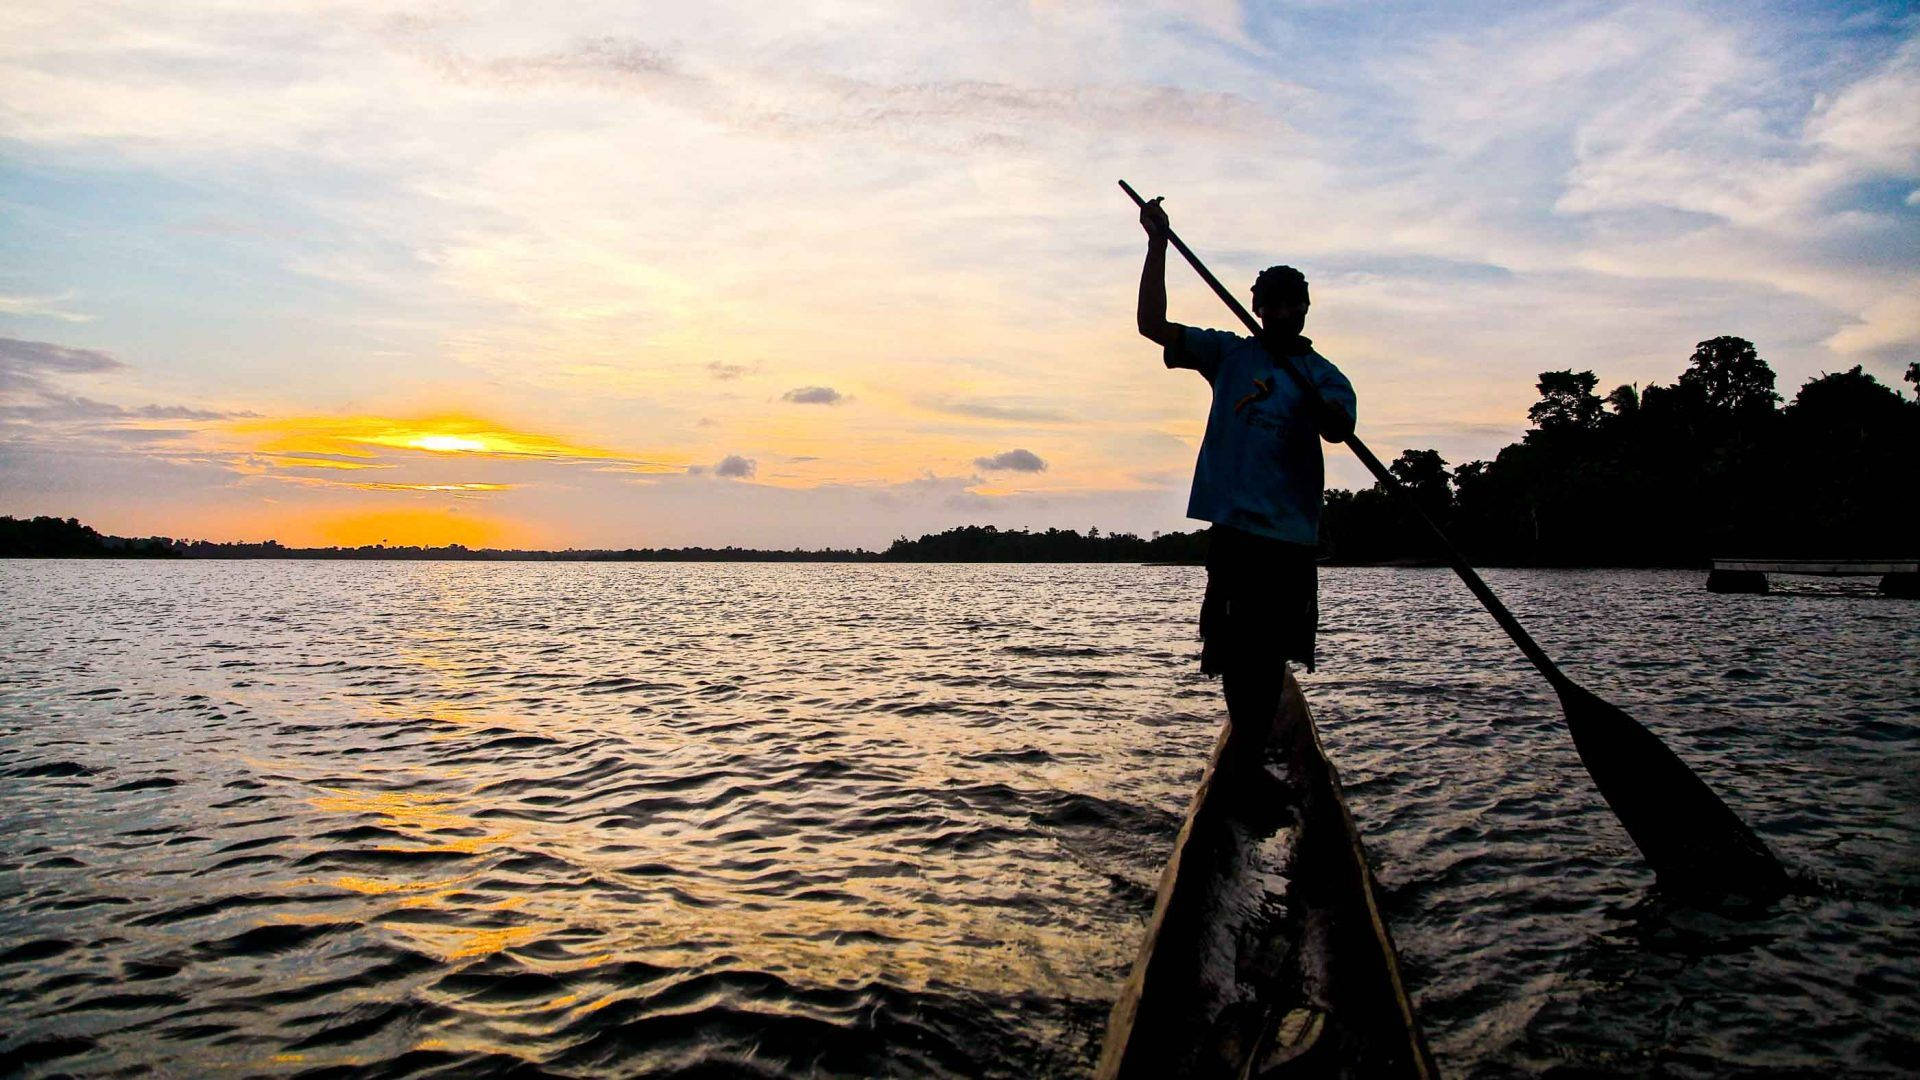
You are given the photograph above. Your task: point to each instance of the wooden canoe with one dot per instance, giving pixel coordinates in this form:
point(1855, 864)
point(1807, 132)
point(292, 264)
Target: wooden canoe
point(1267, 955)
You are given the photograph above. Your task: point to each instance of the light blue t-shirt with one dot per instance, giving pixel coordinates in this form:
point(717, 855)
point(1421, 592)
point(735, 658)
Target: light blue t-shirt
point(1260, 467)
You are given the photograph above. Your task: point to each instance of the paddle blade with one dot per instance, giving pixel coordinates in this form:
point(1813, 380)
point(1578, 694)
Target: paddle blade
point(1695, 843)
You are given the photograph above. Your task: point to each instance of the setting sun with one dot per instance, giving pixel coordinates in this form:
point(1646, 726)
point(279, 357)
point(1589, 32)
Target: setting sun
point(446, 443)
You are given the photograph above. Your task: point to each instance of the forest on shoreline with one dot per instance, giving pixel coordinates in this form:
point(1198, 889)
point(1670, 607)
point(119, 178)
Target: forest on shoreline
point(1666, 475)
point(1655, 476)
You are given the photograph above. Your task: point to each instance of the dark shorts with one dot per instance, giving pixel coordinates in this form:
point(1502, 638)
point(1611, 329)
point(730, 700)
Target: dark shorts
point(1263, 601)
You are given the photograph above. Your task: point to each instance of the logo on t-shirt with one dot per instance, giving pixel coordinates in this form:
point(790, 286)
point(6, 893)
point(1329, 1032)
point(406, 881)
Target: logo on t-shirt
point(1261, 388)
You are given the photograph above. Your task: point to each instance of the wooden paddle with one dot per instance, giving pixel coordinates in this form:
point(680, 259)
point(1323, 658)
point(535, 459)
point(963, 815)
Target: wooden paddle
point(1695, 844)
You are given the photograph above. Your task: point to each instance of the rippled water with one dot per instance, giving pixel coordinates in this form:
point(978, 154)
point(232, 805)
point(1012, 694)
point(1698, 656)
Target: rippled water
point(645, 819)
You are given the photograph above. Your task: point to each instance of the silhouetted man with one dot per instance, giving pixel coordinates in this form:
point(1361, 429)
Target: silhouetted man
point(1258, 480)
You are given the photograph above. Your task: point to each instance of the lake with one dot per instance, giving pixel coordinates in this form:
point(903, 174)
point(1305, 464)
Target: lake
point(826, 819)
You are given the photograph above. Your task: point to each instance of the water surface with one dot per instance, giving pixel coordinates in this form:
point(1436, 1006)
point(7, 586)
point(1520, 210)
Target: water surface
point(791, 820)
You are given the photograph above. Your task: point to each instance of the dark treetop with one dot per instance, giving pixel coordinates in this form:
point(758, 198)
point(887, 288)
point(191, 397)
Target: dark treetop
point(1665, 475)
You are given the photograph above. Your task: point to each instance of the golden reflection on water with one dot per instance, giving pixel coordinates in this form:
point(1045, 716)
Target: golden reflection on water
point(863, 924)
point(871, 923)
point(420, 813)
point(460, 721)
point(429, 816)
point(378, 887)
point(829, 943)
point(456, 943)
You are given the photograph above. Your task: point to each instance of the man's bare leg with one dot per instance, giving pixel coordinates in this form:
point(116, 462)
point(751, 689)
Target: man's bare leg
point(1253, 697)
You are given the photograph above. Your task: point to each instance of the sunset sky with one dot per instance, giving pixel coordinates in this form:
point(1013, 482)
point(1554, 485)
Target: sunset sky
point(820, 274)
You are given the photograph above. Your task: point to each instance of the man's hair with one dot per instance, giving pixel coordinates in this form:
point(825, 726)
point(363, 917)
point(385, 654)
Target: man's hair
point(1279, 285)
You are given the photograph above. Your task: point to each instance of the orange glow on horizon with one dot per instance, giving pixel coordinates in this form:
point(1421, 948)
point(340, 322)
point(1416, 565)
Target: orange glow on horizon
point(411, 527)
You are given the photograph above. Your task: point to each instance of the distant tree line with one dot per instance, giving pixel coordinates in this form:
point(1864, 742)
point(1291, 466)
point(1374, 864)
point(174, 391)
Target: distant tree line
point(984, 543)
point(1665, 475)
point(49, 537)
point(57, 538)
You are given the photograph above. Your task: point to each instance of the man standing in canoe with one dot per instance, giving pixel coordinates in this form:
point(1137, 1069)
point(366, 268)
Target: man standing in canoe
point(1258, 480)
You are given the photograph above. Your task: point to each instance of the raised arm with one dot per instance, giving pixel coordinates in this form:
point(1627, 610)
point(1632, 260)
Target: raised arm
point(1152, 313)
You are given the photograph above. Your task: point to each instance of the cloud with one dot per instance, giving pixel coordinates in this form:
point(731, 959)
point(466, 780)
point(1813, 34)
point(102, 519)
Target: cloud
point(322, 461)
point(54, 407)
point(929, 488)
point(456, 490)
point(142, 435)
point(813, 395)
point(47, 307)
point(771, 94)
point(1012, 461)
point(32, 401)
point(735, 467)
point(959, 115)
point(608, 62)
point(726, 371)
point(1875, 121)
point(25, 364)
point(993, 410)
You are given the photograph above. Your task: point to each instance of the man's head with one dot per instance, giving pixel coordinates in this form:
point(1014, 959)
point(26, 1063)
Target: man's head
point(1280, 299)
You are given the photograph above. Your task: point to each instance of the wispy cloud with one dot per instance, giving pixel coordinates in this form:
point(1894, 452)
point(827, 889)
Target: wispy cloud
point(1012, 461)
point(142, 435)
point(54, 407)
point(996, 410)
point(605, 62)
point(46, 307)
point(449, 489)
point(25, 365)
point(813, 395)
point(320, 461)
point(35, 402)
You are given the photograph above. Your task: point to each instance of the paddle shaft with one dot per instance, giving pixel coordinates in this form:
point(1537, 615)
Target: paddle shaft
point(1387, 480)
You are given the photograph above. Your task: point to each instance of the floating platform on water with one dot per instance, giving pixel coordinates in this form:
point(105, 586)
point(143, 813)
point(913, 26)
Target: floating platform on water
point(1748, 574)
point(1267, 955)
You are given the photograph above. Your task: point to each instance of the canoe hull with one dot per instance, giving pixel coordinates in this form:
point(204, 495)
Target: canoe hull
point(1266, 954)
